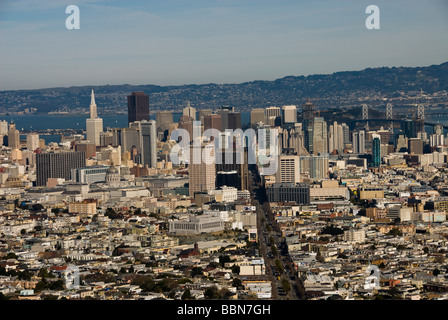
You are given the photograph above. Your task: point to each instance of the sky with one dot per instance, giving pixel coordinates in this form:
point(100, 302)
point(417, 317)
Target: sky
point(175, 42)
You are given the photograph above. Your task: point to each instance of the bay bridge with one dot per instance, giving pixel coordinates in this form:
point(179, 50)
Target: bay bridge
point(352, 124)
point(390, 121)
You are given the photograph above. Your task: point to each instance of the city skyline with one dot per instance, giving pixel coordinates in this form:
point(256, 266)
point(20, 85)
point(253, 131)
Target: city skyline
point(176, 43)
point(329, 186)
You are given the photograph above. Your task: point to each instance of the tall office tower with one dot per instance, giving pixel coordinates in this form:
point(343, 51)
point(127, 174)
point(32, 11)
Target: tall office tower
point(186, 123)
point(346, 133)
point(288, 169)
point(273, 112)
point(292, 139)
point(224, 141)
point(201, 169)
point(273, 116)
point(415, 146)
point(164, 119)
point(13, 137)
point(94, 125)
point(359, 141)
point(234, 120)
point(138, 107)
point(106, 138)
point(212, 121)
point(3, 127)
point(402, 143)
point(234, 159)
point(57, 165)
point(384, 134)
point(224, 113)
point(130, 137)
point(263, 133)
point(257, 115)
point(309, 139)
point(202, 113)
point(320, 137)
point(148, 141)
point(308, 115)
point(316, 167)
point(437, 139)
point(88, 148)
point(189, 111)
point(32, 141)
point(376, 151)
point(336, 138)
point(289, 114)
point(408, 126)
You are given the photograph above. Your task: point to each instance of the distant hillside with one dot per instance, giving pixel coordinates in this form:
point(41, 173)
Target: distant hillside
point(339, 89)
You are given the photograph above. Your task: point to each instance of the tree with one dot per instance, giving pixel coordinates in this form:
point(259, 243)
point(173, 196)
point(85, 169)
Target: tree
point(57, 285)
point(236, 282)
point(24, 275)
point(223, 259)
point(196, 271)
point(395, 232)
point(123, 270)
point(37, 207)
point(11, 255)
point(147, 284)
point(319, 257)
point(332, 230)
point(187, 295)
point(41, 285)
point(285, 284)
point(279, 266)
point(236, 269)
point(213, 264)
point(3, 297)
point(211, 293)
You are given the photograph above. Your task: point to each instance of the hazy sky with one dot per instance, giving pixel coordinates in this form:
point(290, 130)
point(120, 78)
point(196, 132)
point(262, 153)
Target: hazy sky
point(168, 42)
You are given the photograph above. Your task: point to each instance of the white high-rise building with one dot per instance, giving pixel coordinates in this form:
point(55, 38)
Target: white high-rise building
point(94, 125)
point(32, 141)
point(148, 140)
point(271, 114)
point(289, 114)
point(189, 111)
point(436, 140)
point(201, 168)
point(3, 127)
point(288, 169)
point(336, 138)
point(320, 136)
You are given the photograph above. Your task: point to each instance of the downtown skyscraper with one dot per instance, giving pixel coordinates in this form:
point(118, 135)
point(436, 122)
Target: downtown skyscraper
point(94, 124)
point(320, 137)
point(148, 140)
point(138, 107)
